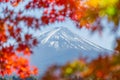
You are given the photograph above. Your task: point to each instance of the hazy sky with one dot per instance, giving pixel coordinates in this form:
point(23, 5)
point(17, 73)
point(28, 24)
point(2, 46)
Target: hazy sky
point(105, 40)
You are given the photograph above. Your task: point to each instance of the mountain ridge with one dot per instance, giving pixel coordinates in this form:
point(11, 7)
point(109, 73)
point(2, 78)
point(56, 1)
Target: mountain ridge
point(60, 32)
point(61, 45)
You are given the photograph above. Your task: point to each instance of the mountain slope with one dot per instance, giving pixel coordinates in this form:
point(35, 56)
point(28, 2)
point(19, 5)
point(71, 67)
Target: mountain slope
point(62, 37)
point(60, 45)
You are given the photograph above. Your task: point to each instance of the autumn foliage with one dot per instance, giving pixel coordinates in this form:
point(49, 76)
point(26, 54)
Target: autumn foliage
point(14, 58)
point(102, 68)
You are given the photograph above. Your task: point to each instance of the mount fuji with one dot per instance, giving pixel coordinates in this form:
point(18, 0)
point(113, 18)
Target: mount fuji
point(60, 45)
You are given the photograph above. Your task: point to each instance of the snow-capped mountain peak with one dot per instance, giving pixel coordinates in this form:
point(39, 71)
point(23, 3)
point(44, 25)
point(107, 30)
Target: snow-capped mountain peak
point(62, 37)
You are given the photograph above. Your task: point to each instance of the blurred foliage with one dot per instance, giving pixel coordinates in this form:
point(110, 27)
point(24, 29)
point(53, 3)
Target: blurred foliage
point(102, 68)
point(95, 10)
point(18, 78)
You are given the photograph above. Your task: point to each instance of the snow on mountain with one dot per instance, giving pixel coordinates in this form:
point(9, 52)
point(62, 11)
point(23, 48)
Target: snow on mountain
point(60, 45)
point(61, 37)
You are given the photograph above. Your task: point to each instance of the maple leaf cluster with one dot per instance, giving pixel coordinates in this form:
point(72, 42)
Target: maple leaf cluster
point(14, 58)
point(11, 56)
